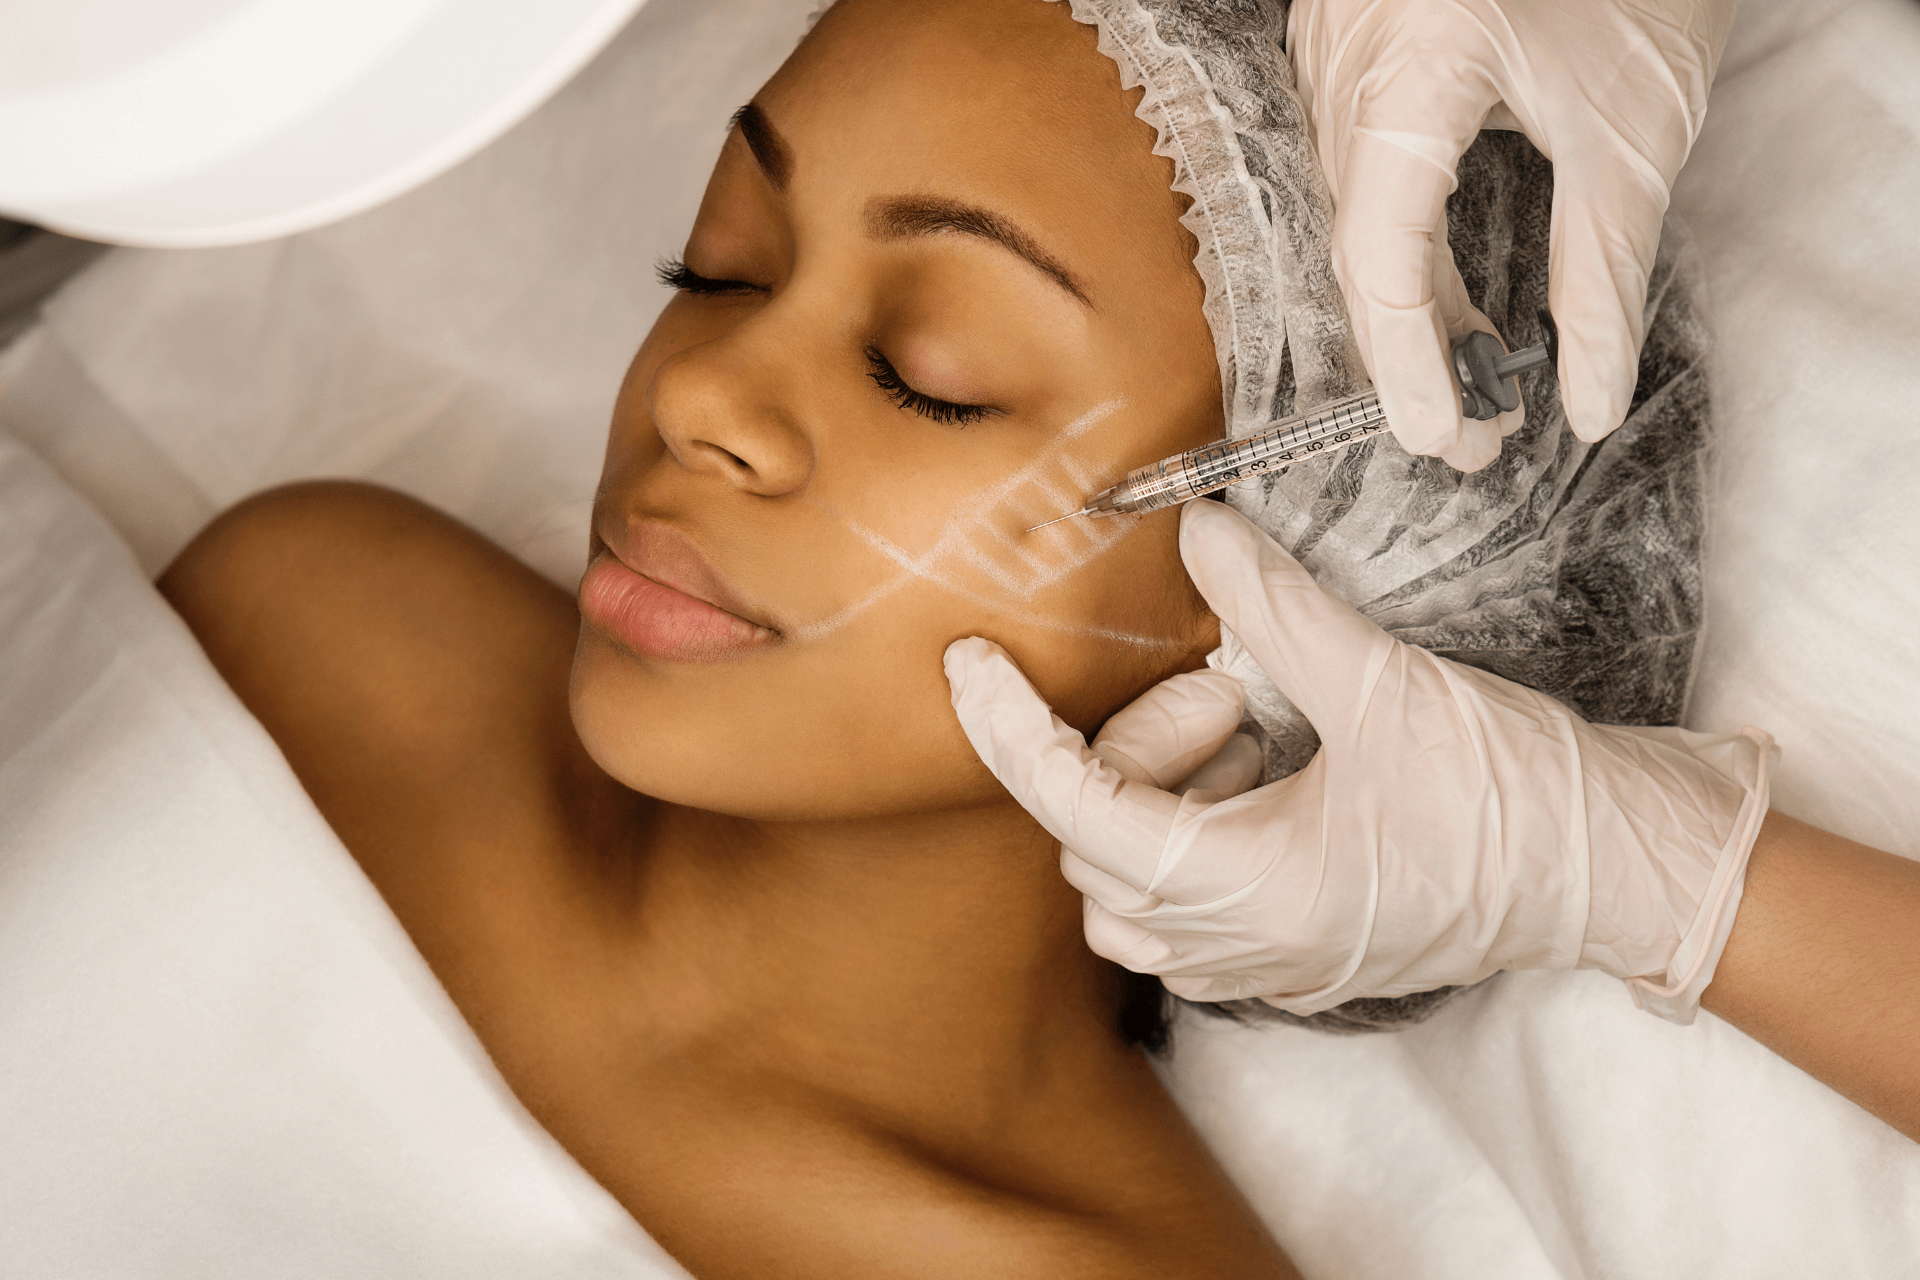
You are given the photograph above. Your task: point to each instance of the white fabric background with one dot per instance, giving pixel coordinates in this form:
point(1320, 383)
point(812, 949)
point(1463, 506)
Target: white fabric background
point(220, 1056)
point(219, 1053)
point(465, 343)
point(1803, 191)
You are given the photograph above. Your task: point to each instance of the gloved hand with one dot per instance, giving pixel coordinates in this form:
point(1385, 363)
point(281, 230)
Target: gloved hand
point(1612, 91)
point(1451, 825)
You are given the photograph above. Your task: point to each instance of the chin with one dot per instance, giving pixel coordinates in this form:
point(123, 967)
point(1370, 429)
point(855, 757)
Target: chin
point(768, 744)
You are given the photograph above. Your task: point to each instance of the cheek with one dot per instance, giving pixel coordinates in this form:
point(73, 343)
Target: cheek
point(859, 723)
point(1137, 621)
point(976, 544)
point(852, 716)
point(1095, 610)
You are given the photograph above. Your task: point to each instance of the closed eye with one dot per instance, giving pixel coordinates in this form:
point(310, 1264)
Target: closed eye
point(895, 387)
point(677, 275)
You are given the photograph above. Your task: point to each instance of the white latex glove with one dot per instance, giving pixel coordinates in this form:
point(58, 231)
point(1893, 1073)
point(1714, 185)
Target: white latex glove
point(1451, 825)
point(1612, 91)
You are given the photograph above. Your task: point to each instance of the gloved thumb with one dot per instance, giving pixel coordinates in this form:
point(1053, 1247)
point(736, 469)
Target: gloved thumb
point(1119, 826)
point(1606, 234)
point(1116, 938)
point(1314, 647)
point(1173, 728)
point(1234, 769)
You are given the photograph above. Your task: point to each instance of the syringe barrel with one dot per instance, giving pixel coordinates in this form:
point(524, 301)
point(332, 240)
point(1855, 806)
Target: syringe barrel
point(1212, 467)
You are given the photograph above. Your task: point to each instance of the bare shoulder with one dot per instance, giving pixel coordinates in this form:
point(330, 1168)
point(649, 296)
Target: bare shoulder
point(404, 664)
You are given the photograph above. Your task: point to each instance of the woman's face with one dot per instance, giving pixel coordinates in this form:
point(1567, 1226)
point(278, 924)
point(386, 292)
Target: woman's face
point(937, 293)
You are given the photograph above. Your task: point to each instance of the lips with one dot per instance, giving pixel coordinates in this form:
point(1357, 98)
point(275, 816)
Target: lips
point(652, 592)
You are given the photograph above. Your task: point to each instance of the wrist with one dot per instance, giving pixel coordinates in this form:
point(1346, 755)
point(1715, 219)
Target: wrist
point(1668, 849)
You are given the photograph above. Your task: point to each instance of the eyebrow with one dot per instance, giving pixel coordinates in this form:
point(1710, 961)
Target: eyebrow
point(769, 148)
point(901, 217)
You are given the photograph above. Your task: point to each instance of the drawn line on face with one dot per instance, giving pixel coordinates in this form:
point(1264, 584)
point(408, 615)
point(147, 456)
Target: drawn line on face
point(918, 567)
point(976, 517)
point(959, 545)
point(835, 621)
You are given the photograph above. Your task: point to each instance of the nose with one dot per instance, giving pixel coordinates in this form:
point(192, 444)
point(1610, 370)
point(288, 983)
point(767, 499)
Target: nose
point(719, 408)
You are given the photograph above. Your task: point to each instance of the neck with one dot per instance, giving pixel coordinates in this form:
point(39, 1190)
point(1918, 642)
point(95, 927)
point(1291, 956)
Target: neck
point(943, 950)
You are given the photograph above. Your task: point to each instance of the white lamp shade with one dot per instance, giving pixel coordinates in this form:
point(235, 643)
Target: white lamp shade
point(204, 122)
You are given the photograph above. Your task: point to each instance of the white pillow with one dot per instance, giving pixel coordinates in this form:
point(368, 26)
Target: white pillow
point(219, 1054)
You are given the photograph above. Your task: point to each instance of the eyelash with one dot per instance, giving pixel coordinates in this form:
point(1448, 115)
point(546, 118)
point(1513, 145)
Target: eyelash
point(895, 387)
point(677, 275)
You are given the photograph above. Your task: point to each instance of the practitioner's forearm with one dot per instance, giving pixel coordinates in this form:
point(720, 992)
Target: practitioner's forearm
point(1823, 965)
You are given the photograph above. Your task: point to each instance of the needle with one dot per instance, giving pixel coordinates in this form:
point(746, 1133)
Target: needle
point(1057, 519)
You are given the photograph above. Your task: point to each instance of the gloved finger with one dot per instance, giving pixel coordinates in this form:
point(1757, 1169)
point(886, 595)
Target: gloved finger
point(1212, 990)
point(1479, 445)
point(1410, 72)
point(1124, 942)
point(1607, 213)
point(1109, 891)
point(1045, 764)
point(1235, 768)
point(1384, 232)
point(1173, 728)
point(1233, 659)
point(1479, 437)
point(1461, 317)
point(1315, 648)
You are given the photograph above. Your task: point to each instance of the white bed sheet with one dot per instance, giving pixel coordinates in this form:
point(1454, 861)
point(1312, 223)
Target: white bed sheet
point(465, 342)
point(1803, 194)
point(220, 1056)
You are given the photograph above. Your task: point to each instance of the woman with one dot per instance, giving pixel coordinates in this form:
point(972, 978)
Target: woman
point(786, 971)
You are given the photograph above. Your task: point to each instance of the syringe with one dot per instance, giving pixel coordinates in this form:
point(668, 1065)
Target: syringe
point(1488, 387)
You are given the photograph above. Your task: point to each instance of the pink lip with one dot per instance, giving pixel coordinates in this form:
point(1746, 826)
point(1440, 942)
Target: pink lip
point(655, 611)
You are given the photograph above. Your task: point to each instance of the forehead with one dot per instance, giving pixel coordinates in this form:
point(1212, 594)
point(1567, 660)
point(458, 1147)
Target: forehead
point(1005, 102)
point(1021, 53)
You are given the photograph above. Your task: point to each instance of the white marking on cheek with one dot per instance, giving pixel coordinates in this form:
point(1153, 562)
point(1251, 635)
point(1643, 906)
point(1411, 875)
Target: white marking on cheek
point(1082, 479)
point(1093, 417)
point(923, 569)
point(1013, 546)
point(990, 567)
point(835, 622)
point(1022, 570)
point(1051, 482)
